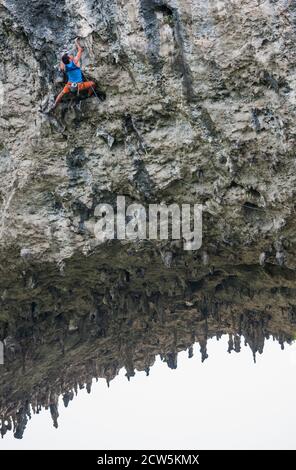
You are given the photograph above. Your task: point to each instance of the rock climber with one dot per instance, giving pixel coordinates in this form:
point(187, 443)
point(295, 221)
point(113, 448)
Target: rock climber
point(71, 66)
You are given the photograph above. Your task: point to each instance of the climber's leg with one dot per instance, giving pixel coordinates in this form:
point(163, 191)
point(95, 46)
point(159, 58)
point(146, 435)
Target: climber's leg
point(64, 92)
point(87, 86)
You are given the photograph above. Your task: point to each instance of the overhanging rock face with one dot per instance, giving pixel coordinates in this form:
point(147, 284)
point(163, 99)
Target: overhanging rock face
point(62, 330)
point(199, 108)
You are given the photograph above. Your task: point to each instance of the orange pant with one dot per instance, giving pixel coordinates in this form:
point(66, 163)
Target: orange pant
point(81, 86)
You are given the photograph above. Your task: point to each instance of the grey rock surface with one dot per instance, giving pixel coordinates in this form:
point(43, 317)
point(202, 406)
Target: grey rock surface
point(200, 107)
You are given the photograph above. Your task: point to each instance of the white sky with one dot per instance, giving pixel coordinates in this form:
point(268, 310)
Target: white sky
point(225, 403)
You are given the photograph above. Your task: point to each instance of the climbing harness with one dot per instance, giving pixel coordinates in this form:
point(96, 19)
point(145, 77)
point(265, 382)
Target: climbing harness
point(74, 88)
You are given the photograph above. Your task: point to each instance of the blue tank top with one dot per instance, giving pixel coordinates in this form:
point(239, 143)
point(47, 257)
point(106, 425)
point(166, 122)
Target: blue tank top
point(74, 73)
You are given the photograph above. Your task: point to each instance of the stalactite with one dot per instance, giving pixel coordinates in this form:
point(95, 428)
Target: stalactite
point(54, 414)
point(190, 352)
point(230, 343)
point(172, 360)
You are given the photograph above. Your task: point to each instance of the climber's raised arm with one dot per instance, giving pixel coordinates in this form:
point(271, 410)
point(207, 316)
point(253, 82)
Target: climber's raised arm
point(79, 52)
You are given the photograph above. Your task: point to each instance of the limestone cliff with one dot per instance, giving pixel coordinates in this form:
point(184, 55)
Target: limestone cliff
point(197, 105)
point(200, 106)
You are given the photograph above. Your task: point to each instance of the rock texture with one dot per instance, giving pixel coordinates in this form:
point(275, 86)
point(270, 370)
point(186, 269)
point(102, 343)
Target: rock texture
point(199, 108)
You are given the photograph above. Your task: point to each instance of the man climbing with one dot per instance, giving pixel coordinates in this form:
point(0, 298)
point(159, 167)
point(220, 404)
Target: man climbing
point(71, 66)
